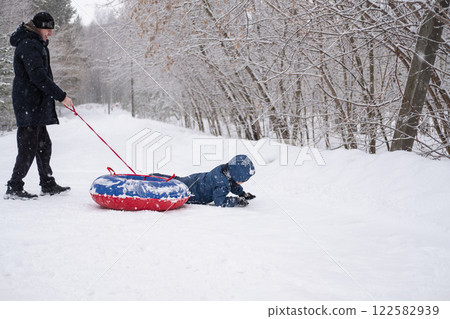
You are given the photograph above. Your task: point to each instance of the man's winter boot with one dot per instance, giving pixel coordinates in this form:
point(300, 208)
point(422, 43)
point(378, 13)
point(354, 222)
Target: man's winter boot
point(52, 189)
point(15, 191)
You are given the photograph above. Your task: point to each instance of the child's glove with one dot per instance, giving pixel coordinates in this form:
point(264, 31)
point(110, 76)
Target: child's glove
point(248, 196)
point(242, 202)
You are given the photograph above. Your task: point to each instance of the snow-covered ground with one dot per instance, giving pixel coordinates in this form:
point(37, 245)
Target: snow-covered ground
point(360, 227)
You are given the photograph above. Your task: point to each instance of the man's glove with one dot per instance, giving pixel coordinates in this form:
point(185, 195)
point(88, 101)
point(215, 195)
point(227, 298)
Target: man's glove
point(247, 196)
point(242, 202)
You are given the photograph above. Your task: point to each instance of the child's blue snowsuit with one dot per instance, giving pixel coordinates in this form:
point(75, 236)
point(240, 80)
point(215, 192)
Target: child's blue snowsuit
point(215, 185)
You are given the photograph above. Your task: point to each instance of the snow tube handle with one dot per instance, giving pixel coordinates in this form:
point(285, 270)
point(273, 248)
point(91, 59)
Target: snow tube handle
point(165, 179)
point(170, 178)
point(111, 171)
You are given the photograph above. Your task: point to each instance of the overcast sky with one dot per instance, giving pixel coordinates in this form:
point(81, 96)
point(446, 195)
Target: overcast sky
point(86, 8)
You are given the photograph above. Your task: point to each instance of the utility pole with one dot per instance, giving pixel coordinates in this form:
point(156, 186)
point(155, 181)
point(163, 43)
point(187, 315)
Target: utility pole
point(110, 87)
point(133, 109)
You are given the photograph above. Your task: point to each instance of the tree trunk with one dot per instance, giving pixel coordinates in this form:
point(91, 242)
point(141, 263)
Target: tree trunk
point(418, 80)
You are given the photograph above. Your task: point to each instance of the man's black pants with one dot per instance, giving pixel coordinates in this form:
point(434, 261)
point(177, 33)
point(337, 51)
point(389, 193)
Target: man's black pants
point(32, 142)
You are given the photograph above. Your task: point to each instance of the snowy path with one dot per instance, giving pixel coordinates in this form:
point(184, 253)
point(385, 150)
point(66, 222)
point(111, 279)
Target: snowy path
point(360, 227)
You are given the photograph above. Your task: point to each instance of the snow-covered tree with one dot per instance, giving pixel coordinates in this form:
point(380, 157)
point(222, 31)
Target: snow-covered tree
point(326, 73)
point(68, 59)
point(10, 18)
point(420, 72)
point(61, 10)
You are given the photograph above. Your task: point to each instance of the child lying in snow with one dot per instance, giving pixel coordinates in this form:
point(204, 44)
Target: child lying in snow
point(215, 185)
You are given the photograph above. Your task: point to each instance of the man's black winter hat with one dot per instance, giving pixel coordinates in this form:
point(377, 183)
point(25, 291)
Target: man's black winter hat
point(44, 20)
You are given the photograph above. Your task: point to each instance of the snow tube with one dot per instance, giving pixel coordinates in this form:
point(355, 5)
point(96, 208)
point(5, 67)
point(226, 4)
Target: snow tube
point(138, 192)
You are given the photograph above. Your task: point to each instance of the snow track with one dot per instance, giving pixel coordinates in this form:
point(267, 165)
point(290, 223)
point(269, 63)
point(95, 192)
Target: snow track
point(360, 227)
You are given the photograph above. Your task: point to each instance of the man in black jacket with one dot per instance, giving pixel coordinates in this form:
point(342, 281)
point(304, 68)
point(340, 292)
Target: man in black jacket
point(34, 94)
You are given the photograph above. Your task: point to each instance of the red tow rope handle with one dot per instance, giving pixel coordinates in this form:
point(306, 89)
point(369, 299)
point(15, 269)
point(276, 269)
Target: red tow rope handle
point(72, 109)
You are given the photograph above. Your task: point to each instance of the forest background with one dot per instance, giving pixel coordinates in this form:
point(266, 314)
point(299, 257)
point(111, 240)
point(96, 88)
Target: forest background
point(370, 74)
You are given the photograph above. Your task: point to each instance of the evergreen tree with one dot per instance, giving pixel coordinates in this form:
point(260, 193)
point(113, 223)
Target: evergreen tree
point(10, 18)
point(5, 81)
point(61, 10)
point(67, 59)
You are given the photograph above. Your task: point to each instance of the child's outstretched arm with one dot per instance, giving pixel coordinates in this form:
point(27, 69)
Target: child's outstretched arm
point(221, 199)
point(238, 190)
point(247, 196)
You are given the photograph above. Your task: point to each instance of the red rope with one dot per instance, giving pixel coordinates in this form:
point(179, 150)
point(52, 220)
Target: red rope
point(75, 112)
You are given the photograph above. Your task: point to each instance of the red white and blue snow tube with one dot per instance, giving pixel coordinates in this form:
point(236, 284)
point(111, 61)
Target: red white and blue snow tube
point(138, 192)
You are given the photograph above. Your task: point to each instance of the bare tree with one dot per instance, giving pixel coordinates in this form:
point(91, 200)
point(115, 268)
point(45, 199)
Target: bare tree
point(327, 73)
point(420, 72)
